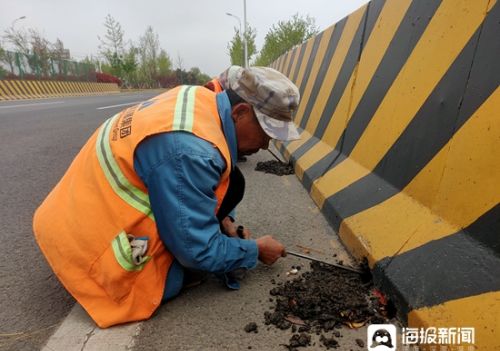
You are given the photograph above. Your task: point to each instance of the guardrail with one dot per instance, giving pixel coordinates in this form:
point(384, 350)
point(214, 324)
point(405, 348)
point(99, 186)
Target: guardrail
point(400, 149)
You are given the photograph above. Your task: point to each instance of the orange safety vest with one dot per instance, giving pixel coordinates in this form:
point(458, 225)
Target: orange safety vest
point(215, 86)
point(82, 225)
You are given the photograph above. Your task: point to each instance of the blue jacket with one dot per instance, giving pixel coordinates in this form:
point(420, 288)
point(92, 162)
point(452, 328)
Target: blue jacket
point(181, 172)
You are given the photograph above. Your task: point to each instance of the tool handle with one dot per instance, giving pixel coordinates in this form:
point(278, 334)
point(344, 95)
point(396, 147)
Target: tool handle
point(239, 231)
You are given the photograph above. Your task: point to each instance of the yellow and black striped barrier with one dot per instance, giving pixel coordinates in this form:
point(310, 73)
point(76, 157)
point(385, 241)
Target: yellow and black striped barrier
point(400, 148)
point(27, 89)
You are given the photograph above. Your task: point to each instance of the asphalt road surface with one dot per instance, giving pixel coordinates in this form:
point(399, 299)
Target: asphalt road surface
point(38, 141)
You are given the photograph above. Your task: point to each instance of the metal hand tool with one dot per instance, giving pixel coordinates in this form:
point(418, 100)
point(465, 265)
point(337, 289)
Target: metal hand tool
point(327, 263)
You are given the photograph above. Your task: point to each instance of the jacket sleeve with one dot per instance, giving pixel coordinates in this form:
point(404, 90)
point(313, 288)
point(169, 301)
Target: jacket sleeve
point(181, 172)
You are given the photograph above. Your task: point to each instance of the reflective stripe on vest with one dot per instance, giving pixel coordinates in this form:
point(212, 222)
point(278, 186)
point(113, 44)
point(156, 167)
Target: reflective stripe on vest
point(132, 195)
point(135, 197)
point(184, 109)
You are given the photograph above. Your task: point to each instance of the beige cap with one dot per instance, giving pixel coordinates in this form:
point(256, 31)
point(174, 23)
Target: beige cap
point(273, 96)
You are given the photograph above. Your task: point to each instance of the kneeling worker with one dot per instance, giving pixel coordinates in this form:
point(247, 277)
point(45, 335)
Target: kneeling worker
point(148, 198)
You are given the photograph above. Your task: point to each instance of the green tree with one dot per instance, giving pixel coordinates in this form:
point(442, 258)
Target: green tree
point(59, 54)
point(197, 77)
point(19, 39)
point(203, 78)
point(285, 35)
point(41, 53)
point(149, 49)
point(3, 72)
point(111, 46)
point(236, 48)
point(90, 61)
point(129, 66)
point(33, 45)
point(179, 72)
point(164, 63)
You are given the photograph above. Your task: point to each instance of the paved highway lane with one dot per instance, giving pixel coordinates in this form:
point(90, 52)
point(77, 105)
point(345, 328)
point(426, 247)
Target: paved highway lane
point(38, 140)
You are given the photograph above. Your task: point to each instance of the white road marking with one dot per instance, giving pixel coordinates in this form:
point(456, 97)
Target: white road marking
point(37, 104)
point(79, 332)
point(128, 103)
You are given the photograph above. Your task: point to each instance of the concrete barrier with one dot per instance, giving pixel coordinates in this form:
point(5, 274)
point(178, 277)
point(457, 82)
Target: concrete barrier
point(27, 89)
point(400, 148)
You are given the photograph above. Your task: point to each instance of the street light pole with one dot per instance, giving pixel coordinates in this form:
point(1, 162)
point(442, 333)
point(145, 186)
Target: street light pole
point(245, 31)
point(241, 34)
point(17, 19)
point(239, 21)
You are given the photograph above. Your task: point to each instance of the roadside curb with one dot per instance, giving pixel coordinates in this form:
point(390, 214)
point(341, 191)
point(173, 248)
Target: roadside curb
point(79, 332)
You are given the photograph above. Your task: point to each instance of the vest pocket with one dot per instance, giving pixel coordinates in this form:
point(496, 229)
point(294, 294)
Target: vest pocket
point(115, 270)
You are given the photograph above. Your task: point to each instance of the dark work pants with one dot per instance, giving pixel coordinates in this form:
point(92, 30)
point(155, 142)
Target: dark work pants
point(234, 194)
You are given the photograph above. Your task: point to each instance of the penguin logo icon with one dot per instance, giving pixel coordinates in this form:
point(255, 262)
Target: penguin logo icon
point(381, 337)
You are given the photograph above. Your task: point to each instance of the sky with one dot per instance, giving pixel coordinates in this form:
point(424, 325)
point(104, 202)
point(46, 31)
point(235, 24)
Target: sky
point(197, 31)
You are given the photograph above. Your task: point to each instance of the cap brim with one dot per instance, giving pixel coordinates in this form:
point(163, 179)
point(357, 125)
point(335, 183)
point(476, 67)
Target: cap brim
point(276, 129)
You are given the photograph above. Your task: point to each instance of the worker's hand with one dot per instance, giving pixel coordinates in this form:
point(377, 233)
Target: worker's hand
point(230, 229)
point(270, 249)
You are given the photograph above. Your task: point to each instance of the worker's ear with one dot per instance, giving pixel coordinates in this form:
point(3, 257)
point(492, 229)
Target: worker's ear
point(240, 110)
